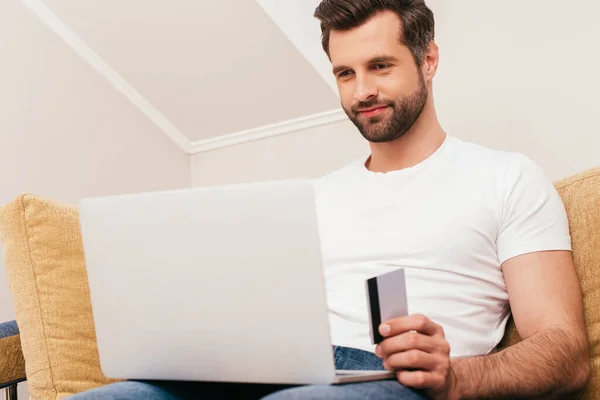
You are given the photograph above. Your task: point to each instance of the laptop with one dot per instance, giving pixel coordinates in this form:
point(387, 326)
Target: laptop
point(219, 284)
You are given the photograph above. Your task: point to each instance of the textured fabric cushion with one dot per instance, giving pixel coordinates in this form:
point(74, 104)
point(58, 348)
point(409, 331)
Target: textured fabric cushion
point(48, 282)
point(12, 364)
point(581, 196)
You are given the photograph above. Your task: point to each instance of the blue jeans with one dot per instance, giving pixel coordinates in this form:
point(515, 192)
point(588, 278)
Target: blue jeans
point(345, 358)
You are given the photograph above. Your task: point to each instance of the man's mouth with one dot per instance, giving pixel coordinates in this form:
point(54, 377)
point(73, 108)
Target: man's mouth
point(373, 111)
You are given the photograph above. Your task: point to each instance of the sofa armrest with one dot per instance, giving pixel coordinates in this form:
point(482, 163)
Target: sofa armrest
point(12, 363)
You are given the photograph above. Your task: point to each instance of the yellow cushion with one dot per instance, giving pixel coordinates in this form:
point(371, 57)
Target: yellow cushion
point(48, 282)
point(581, 196)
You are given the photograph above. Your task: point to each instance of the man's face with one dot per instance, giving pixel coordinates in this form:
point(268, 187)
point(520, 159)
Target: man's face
point(382, 90)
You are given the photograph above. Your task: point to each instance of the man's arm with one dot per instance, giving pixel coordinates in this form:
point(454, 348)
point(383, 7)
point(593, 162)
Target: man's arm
point(553, 359)
point(550, 362)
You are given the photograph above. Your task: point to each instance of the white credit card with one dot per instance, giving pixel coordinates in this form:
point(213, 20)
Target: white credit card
point(386, 299)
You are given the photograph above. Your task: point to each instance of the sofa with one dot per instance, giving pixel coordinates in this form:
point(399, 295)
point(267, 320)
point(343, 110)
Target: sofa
point(52, 344)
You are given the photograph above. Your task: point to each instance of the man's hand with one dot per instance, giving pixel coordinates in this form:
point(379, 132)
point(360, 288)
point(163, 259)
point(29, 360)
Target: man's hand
point(416, 348)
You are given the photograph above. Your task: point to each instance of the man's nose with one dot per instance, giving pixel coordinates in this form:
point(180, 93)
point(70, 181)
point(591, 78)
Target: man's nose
point(365, 90)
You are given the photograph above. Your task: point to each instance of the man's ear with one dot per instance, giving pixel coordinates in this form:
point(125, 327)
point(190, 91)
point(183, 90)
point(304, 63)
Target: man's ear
point(430, 64)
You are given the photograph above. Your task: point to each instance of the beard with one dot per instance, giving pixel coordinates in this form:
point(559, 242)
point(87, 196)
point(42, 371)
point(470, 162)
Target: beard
point(387, 128)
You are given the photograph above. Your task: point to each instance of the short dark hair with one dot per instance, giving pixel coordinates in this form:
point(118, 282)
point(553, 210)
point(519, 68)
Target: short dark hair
point(418, 23)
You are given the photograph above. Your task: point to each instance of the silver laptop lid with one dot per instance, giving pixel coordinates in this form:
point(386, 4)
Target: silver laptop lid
point(209, 284)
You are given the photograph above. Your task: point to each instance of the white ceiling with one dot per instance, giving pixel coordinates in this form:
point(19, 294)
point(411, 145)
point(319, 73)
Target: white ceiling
point(211, 67)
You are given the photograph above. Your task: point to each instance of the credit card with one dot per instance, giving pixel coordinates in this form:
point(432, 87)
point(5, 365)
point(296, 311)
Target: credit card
point(386, 298)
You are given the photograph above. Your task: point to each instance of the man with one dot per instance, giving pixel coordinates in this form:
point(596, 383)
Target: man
point(477, 231)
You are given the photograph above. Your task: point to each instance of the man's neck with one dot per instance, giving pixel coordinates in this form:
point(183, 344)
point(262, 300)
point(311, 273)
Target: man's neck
point(415, 146)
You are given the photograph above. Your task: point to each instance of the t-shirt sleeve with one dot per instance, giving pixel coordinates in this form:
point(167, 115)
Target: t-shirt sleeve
point(533, 216)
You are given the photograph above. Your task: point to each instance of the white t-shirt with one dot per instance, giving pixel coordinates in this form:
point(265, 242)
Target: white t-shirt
point(450, 222)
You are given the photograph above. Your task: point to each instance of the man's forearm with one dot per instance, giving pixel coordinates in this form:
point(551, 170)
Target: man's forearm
point(546, 365)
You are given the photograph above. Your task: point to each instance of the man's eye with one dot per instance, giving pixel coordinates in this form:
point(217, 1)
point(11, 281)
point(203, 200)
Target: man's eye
point(343, 74)
point(380, 66)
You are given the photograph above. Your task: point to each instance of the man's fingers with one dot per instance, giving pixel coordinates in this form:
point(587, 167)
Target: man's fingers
point(416, 322)
point(413, 341)
point(412, 360)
